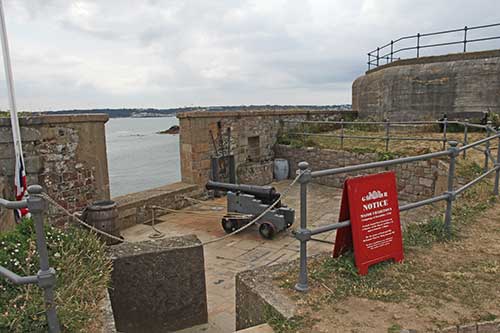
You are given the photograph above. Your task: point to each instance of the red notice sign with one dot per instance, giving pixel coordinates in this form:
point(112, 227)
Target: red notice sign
point(371, 203)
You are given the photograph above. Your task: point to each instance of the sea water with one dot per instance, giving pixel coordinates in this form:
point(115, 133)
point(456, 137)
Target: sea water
point(138, 157)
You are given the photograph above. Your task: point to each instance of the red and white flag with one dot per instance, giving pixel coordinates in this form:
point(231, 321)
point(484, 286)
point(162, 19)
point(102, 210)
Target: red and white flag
point(20, 186)
point(20, 172)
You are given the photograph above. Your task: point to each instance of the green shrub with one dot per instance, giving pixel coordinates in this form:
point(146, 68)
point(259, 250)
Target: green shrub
point(82, 273)
point(495, 119)
point(386, 156)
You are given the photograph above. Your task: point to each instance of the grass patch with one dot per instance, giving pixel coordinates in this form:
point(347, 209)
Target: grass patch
point(375, 145)
point(395, 328)
point(82, 273)
point(338, 279)
point(468, 169)
point(282, 325)
point(386, 156)
point(426, 234)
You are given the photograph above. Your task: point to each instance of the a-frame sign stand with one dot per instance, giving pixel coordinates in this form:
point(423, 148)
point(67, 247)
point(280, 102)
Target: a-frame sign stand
point(371, 204)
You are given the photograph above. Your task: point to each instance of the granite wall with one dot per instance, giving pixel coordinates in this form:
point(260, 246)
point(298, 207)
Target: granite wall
point(65, 154)
point(253, 136)
point(136, 208)
point(427, 87)
point(416, 181)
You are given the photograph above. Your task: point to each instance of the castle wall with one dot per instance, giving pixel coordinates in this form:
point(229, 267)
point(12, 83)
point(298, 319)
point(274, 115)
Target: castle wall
point(459, 85)
point(253, 136)
point(415, 181)
point(65, 154)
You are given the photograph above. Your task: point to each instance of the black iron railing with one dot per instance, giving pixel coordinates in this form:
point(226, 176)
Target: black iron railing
point(388, 53)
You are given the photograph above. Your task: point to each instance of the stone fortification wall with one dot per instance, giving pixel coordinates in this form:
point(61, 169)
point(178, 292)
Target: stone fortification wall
point(64, 154)
point(416, 181)
point(253, 136)
point(136, 208)
point(427, 87)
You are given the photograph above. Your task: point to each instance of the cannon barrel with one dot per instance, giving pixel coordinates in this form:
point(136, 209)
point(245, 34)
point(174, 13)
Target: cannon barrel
point(267, 194)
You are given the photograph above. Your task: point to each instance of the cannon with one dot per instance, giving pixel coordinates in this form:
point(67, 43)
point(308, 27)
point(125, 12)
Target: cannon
point(246, 202)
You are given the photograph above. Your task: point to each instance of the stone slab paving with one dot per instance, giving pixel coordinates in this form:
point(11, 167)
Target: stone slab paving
point(243, 251)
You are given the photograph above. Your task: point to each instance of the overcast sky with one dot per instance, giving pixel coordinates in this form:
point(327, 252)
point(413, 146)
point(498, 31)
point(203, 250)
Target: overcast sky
point(160, 53)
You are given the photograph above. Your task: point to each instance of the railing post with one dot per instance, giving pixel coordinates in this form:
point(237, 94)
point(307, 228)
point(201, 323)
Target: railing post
point(445, 128)
point(378, 52)
point(303, 126)
point(342, 133)
point(303, 234)
point(451, 194)
point(487, 146)
point(466, 128)
point(465, 39)
point(369, 61)
point(418, 44)
point(46, 275)
point(387, 124)
point(392, 49)
point(497, 166)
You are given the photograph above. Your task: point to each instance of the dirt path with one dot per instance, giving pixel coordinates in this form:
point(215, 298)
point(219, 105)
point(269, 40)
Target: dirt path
point(439, 286)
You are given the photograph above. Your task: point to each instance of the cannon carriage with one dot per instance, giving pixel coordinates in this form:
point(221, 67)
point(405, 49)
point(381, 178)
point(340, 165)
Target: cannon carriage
point(246, 202)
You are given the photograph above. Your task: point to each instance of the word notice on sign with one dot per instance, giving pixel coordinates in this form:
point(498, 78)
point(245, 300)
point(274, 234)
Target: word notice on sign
point(371, 204)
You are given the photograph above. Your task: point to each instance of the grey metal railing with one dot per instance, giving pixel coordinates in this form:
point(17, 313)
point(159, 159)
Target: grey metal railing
point(387, 125)
point(303, 234)
point(46, 276)
point(387, 53)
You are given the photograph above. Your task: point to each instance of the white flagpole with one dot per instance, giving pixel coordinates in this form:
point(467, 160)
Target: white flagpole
point(16, 133)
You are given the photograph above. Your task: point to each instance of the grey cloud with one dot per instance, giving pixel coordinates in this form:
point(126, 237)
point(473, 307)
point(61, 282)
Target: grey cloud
point(114, 53)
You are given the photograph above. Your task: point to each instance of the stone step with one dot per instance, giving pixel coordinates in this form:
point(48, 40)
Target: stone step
point(263, 328)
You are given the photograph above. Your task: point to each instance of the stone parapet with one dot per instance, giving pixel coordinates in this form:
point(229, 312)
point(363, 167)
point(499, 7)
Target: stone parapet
point(253, 136)
point(136, 208)
point(416, 181)
point(65, 154)
point(58, 119)
point(428, 87)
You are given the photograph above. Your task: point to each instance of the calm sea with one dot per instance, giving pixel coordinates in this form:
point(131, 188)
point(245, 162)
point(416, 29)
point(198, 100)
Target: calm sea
point(138, 158)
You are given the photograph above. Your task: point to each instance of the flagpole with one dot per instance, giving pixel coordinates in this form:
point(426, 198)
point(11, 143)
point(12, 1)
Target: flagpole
point(19, 181)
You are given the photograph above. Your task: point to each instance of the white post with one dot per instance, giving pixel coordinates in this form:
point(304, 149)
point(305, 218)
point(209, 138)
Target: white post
point(20, 173)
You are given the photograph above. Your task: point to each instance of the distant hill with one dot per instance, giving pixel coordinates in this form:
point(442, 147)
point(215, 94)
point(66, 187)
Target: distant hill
point(150, 112)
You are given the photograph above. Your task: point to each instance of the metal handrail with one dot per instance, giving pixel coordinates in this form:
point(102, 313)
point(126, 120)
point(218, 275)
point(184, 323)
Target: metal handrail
point(372, 165)
point(303, 235)
point(418, 122)
point(346, 223)
point(46, 277)
point(444, 123)
point(375, 57)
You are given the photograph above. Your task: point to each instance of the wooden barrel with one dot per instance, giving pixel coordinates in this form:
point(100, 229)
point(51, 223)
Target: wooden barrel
point(103, 215)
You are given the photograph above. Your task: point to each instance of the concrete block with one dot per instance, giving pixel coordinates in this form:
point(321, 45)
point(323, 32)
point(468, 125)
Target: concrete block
point(158, 289)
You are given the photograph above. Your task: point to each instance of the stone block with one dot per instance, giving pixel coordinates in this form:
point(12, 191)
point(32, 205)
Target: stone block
point(471, 328)
point(425, 182)
point(488, 326)
point(255, 173)
point(158, 289)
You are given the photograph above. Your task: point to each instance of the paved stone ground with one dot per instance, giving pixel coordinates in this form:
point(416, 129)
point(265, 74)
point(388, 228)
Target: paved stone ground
point(243, 251)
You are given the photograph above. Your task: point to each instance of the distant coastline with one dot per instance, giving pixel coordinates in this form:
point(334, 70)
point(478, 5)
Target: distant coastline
point(153, 113)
